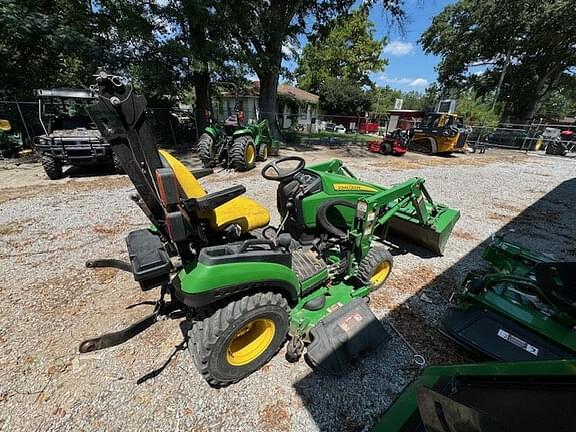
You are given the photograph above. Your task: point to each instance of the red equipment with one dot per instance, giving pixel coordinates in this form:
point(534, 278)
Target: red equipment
point(366, 127)
point(394, 144)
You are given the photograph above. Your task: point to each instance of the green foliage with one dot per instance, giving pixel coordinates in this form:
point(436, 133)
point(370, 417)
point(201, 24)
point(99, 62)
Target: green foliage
point(349, 51)
point(475, 111)
point(385, 97)
point(526, 45)
point(48, 43)
point(344, 97)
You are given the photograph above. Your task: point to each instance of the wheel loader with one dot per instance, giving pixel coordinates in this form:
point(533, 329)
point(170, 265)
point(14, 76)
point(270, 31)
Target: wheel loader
point(439, 133)
point(234, 144)
point(243, 286)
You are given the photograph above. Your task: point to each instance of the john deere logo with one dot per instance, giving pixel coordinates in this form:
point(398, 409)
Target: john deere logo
point(340, 187)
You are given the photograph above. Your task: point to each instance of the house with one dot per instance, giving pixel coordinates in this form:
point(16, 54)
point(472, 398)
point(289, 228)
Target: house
point(296, 107)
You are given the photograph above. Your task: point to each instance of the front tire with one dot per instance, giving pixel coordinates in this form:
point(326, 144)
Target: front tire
point(375, 267)
point(206, 151)
point(239, 338)
point(243, 154)
point(118, 168)
point(52, 167)
point(262, 152)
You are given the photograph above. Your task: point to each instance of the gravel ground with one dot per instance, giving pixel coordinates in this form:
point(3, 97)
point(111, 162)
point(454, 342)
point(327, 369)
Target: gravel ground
point(49, 302)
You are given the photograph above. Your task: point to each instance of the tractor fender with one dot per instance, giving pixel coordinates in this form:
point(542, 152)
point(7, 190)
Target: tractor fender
point(201, 285)
point(212, 132)
point(243, 132)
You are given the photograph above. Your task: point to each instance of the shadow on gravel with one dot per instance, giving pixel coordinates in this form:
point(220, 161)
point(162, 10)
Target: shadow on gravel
point(546, 226)
point(98, 170)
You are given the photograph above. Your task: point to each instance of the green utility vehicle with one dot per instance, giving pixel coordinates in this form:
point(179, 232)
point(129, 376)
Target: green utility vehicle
point(234, 144)
point(245, 287)
point(522, 308)
point(487, 397)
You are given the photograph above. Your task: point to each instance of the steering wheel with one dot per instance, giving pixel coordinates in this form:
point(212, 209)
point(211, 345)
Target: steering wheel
point(280, 174)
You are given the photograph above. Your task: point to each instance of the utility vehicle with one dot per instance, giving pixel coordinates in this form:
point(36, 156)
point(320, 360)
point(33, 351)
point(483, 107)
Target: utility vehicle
point(245, 287)
point(70, 137)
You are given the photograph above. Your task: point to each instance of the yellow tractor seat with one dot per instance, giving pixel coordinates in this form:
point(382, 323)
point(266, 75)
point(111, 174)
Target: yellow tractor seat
point(245, 212)
point(5, 125)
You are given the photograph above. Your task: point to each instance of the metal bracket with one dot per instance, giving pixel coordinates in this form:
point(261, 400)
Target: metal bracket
point(107, 340)
point(114, 263)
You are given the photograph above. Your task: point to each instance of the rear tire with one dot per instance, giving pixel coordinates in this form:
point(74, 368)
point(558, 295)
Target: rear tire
point(118, 168)
point(52, 167)
point(386, 148)
point(206, 151)
point(243, 154)
point(375, 267)
point(239, 338)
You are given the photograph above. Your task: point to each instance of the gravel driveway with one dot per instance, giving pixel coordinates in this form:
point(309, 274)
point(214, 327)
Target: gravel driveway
point(49, 301)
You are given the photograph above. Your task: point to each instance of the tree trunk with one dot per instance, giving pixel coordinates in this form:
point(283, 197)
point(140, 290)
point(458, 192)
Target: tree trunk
point(202, 90)
point(545, 84)
point(268, 99)
point(501, 79)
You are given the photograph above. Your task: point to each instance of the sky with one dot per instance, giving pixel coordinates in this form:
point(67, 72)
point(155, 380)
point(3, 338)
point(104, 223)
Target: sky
point(408, 67)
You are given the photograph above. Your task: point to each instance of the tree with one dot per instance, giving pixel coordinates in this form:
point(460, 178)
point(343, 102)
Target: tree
point(261, 28)
point(344, 97)
point(48, 43)
point(526, 45)
point(349, 51)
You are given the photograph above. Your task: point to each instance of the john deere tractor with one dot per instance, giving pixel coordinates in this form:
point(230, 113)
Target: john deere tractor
point(245, 287)
point(234, 144)
point(10, 141)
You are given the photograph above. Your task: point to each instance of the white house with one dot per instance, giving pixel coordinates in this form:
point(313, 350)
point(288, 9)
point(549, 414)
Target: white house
point(296, 107)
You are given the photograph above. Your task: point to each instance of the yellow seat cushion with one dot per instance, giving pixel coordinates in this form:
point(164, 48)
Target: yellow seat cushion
point(5, 125)
point(241, 210)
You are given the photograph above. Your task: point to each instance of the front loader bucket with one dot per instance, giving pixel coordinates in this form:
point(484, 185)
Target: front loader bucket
point(431, 235)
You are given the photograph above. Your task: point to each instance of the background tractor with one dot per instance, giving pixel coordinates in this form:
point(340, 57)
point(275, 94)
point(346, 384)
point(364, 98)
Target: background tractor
point(233, 143)
point(10, 141)
point(245, 287)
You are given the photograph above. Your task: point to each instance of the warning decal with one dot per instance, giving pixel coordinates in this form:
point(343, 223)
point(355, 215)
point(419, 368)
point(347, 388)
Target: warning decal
point(518, 342)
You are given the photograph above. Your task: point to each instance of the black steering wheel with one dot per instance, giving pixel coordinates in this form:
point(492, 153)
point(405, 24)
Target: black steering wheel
point(280, 174)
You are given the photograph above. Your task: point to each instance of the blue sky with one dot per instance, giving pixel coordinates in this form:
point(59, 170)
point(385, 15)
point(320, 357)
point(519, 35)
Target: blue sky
point(408, 67)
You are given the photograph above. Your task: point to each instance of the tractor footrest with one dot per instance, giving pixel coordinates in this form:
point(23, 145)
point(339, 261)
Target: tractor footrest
point(344, 336)
point(150, 262)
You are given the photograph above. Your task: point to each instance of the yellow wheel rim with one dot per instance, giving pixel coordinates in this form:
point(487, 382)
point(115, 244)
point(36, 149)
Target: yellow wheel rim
point(250, 153)
point(381, 273)
point(250, 342)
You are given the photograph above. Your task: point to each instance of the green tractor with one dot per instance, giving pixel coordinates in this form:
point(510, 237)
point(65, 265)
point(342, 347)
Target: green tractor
point(245, 287)
point(10, 141)
point(522, 308)
point(233, 144)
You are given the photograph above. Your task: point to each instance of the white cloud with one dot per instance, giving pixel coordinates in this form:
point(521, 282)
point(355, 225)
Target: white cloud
point(418, 82)
point(399, 48)
point(410, 82)
point(291, 49)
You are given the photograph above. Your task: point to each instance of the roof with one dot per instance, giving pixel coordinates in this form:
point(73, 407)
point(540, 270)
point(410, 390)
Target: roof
point(291, 91)
point(283, 89)
point(298, 94)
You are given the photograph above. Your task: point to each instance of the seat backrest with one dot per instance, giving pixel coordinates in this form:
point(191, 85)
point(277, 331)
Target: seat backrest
point(188, 183)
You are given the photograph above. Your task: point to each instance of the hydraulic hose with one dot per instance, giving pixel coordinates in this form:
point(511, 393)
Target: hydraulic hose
point(322, 216)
